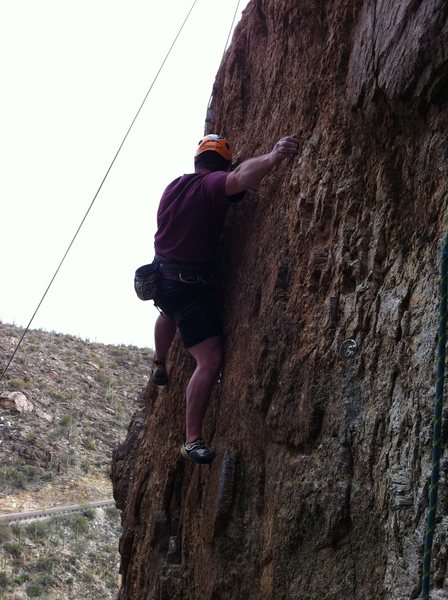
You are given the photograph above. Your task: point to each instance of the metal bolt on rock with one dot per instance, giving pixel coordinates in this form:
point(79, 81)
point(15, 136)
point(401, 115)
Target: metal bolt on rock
point(348, 349)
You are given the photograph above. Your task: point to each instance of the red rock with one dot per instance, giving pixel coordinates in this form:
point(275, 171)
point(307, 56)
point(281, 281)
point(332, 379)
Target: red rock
point(319, 488)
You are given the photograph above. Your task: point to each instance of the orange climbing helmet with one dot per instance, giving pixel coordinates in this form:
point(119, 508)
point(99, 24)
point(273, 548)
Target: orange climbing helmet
point(214, 143)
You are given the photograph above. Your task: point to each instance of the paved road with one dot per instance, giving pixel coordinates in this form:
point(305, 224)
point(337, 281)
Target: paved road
point(56, 510)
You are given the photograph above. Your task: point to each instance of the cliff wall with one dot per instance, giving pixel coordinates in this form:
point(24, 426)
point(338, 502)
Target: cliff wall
point(319, 490)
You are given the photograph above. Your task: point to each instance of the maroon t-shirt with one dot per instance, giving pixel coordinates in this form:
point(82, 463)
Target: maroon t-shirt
point(191, 216)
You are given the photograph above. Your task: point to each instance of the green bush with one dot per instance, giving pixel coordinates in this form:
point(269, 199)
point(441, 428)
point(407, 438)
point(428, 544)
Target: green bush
point(31, 436)
point(55, 393)
point(4, 580)
point(31, 472)
point(66, 420)
point(18, 530)
point(47, 476)
point(7, 331)
point(7, 474)
point(24, 360)
point(45, 563)
point(34, 590)
point(14, 548)
point(89, 513)
point(119, 351)
point(71, 460)
point(82, 524)
point(112, 513)
point(90, 443)
point(19, 480)
point(102, 378)
point(22, 578)
point(46, 580)
point(37, 529)
point(89, 576)
point(5, 532)
point(18, 383)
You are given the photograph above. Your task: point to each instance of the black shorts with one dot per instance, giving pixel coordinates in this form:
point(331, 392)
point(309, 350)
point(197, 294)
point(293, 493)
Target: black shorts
point(192, 307)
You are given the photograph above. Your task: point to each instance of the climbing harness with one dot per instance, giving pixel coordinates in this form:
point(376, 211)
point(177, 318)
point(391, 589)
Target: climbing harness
point(437, 427)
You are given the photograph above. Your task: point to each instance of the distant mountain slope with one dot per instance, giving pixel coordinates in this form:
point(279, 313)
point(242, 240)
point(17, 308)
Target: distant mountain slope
point(64, 405)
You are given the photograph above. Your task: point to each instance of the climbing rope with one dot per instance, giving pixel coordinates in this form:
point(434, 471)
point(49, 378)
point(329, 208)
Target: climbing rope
point(208, 115)
point(97, 192)
point(437, 427)
point(231, 27)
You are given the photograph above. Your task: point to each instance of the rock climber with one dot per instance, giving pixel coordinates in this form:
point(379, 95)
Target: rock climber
point(190, 219)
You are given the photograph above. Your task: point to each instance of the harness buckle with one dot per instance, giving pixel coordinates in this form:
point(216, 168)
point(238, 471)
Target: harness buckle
point(196, 278)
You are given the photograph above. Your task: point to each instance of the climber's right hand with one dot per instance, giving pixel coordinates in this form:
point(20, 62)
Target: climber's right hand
point(286, 147)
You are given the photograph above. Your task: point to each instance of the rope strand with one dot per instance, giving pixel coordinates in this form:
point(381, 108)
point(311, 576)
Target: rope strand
point(222, 57)
point(437, 427)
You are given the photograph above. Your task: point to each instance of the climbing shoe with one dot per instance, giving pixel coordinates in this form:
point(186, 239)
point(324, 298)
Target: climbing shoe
point(197, 452)
point(159, 374)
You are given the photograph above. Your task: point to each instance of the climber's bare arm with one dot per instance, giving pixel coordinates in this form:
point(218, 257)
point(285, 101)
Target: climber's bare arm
point(250, 172)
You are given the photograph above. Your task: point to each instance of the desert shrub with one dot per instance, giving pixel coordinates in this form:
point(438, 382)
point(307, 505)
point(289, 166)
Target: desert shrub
point(119, 351)
point(112, 514)
point(102, 378)
point(89, 513)
point(19, 383)
point(19, 480)
point(90, 443)
point(31, 473)
point(14, 548)
point(47, 476)
point(66, 420)
point(4, 580)
point(34, 590)
point(58, 394)
point(46, 580)
point(5, 532)
point(31, 436)
point(88, 576)
point(7, 473)
point(81, 524)
point(45, 563)
point(18, 530)
point(37, 529)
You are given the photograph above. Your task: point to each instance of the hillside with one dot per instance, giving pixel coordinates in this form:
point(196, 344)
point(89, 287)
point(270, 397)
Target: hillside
point(67, 557)
point(65, 403)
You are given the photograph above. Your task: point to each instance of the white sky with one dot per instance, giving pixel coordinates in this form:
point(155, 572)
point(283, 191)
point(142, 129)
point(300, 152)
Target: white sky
point(73, 74)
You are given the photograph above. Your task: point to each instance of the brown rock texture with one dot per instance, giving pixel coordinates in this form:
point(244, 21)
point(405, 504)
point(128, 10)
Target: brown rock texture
point(319, 489)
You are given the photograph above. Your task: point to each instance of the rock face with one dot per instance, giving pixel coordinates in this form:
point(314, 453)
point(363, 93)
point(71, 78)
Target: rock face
point(319, 490)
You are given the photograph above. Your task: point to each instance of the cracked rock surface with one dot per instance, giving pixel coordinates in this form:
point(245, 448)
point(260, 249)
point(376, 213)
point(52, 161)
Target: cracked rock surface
point(319, 489)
